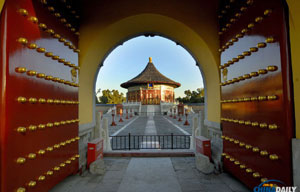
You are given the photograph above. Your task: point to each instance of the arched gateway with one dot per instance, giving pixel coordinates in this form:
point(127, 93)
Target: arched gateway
point(249, 82)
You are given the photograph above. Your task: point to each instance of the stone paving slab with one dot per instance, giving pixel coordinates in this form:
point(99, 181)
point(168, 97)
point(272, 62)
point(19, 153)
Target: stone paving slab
point(191, 179)
point(125, 126)
point(113, 129)
point(163, 127)
point(150, 126)
point(186, 175)
point(115, 169)
point(150, 175)
point(187, 128)
point(136, 128)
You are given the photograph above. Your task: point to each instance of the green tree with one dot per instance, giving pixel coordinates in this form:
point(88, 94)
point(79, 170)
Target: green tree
point(103, 99)
point(192, 96)
point(112, 97)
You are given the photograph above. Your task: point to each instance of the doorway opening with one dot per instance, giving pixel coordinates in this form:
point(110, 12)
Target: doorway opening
point(149, 104)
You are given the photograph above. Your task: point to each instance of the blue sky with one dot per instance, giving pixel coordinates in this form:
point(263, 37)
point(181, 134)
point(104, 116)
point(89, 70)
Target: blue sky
point(127, 61)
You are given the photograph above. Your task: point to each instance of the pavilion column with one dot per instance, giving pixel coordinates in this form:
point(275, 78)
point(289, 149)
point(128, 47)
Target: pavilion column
point(147, 96)
point(141, 94)
point(136, 96)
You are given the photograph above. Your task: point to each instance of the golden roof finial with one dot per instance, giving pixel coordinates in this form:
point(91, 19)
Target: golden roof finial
point(150, 59)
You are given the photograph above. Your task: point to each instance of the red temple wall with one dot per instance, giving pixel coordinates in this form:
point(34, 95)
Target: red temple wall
point(150, 96)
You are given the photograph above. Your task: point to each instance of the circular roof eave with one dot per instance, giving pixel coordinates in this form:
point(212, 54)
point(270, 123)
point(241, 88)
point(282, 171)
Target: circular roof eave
point(130, 84)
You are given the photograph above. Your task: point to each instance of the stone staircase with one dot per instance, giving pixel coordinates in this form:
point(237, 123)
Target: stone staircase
point(152, 110)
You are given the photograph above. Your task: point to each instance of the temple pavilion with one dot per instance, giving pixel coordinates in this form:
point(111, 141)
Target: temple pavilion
point(150, 87)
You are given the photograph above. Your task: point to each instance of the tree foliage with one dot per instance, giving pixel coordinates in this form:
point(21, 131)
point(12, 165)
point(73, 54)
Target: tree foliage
point(111, 97)
point(192, 96)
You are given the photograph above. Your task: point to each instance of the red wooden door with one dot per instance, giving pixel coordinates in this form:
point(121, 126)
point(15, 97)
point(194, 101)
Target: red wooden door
point(39, 94)
point(257, 114)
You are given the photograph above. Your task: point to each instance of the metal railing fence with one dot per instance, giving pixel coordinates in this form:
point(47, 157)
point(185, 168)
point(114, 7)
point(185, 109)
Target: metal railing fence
point(136, 142)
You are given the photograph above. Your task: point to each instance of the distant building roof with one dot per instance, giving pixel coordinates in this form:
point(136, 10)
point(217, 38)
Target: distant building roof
point(150, 75)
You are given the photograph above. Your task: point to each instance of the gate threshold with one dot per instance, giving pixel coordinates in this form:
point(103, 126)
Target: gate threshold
point(150, 153)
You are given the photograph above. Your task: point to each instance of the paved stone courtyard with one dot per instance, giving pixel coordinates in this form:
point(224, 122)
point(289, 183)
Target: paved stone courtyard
point(144, 131)
point(137, 125)
point(150, 175)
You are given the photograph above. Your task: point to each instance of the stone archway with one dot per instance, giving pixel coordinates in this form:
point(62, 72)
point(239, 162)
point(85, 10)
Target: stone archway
point(106, 39)
point(163, 36)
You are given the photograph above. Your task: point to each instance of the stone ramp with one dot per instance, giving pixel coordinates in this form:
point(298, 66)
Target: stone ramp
point(147, 110)
point(150, 126)
point(150, 175)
